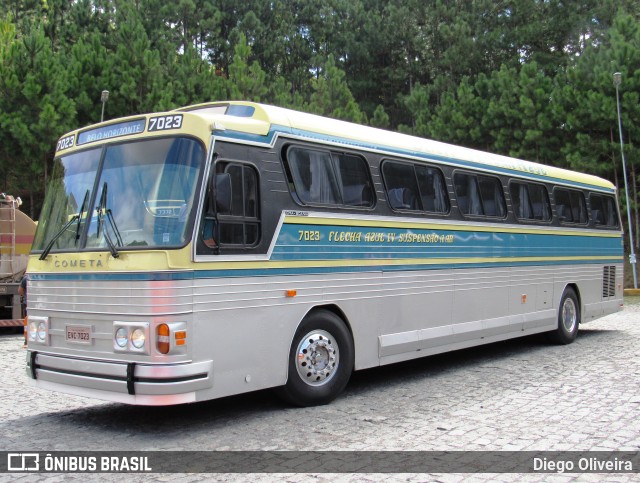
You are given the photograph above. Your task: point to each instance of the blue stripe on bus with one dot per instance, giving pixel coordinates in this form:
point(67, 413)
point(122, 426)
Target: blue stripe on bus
point(315, 270)
point(305, 242)
point(320, 270)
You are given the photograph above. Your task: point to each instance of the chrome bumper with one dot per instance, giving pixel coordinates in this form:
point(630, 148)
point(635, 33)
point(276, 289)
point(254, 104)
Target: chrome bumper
point(131, 382)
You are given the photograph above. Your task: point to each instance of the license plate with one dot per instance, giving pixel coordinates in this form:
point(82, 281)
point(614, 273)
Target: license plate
point(78, 334)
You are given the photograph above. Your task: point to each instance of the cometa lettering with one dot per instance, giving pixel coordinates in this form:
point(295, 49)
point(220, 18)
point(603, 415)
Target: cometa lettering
point(77, 263)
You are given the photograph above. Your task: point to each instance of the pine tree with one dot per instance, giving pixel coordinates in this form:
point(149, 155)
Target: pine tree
point(332, 96)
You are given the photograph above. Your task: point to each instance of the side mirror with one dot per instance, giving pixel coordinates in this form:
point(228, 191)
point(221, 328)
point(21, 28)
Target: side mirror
point(222, 192)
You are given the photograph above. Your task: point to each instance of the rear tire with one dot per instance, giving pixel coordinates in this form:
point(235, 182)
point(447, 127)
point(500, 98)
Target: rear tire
point(320, 360)
point(568, 318)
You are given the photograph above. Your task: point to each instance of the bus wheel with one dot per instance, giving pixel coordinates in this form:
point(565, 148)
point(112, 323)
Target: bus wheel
point(320, 360)
point(568, 318)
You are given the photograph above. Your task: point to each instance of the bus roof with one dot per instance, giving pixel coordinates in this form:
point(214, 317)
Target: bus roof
point(263, 120)
point(261, 123)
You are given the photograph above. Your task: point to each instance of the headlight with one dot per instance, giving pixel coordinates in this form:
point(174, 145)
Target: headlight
point(38, 329)
point(121, 337)
point(138, 338)
point(131, 337)
point(33, 330)
point(42, 331)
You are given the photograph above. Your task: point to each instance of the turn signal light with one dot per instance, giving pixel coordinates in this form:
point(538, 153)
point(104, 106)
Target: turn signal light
point(164, 341)
point(171, 338)
point(181, 337)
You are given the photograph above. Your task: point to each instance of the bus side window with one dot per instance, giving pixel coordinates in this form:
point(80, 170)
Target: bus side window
point(433, 192)
point(603, 211)
point(563, 205)
point(492, 197)
point(468, 194)
point(479, 195)
point(354, 180)
point(236, 210)
point(329, 178)
point(313, 176)
point(570, 206)
point(530, 201)
point(240, 226)
point(402, 187)
point(540, 202)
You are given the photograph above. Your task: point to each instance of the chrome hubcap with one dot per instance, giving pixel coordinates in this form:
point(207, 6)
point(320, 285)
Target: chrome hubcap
point(569, 315)
point(317, 358)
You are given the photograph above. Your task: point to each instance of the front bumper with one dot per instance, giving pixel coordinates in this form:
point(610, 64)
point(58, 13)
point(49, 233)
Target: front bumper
point(128, 382)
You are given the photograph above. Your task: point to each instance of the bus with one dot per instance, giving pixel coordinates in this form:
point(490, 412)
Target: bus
point(229, 247)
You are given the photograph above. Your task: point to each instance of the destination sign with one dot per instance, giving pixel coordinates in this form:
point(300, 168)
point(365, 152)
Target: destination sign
point(111, 131)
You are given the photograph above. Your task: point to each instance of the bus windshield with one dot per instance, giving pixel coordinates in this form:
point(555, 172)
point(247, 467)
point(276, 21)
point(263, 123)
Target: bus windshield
point(128, 195)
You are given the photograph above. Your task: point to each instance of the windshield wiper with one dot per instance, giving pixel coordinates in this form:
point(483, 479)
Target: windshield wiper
point(102, 210)
point(79, 215)
point(73, 219)
point(112, 221)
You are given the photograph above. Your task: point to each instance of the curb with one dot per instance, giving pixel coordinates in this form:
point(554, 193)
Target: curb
point(632, 291)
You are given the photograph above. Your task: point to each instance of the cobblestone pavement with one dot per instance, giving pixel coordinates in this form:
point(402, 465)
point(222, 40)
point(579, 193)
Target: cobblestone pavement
point(522, 394)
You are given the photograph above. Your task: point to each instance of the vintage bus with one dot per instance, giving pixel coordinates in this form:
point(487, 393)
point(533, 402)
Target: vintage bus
point(232, 246)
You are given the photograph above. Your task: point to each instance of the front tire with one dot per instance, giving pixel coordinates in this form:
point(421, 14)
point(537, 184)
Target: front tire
point(320, 360)
point(568, 318)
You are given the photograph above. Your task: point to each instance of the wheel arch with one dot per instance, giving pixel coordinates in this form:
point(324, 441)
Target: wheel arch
point(576, 290)
point(331, 308)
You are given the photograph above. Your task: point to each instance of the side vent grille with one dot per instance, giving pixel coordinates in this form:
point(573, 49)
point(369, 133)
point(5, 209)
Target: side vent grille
point(609, 282)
